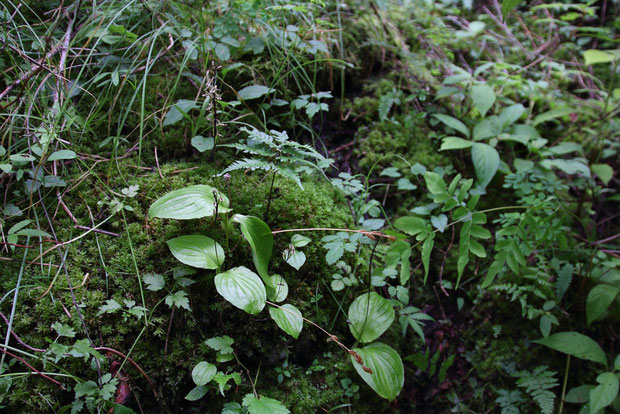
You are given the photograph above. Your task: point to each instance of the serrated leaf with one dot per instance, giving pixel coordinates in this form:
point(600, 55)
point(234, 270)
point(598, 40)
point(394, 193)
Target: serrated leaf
point(370, 315)
point(254, 92)
point(62, 155)
point(486, 162)
point(575, 344)
point(263, 405)
point(258, 234)
point(63, 330)
point(154, 281)
point(203, 373)
point(197, 251)
point(388, 374)
point(508, 6)
point(221, 344)
point(453, 123)
point(285, 317)
point(243, 288)
point(334, 253)
point(110, 306)
point(178, 299)
point(599, 299)
point(191, 202)
point(605, 393)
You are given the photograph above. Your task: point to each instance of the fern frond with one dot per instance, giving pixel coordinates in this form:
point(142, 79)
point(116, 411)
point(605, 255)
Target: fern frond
point(250, 164)
point(537, 384)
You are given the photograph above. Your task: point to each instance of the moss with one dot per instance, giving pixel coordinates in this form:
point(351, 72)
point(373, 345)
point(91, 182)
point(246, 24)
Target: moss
point(318, 205)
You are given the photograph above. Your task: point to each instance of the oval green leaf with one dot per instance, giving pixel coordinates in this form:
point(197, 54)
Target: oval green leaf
point(370, 315)
point(410, 225)
point(605, 393)
point(280, 291)
point(388, 373)
point(254, 91)
point(263, 405)
point(243, 288)
point(192, 202)
point(486, 162)
point(197, 251)
point(203, 373)
point(258, 234)
point(286, 318)
point(599, 299)
point(575, 344)
point(453, 123)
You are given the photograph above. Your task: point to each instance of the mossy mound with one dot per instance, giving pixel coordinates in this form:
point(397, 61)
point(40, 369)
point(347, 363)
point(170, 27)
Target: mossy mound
point(107, 266)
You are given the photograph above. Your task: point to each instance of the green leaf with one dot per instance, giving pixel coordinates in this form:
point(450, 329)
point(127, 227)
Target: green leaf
point(575, 344)
point(254, 91)
point(510, 115)
point(370, 315)
point(508, 6)
point(222, 51)
point(605, 393)
point(85, 388)
point(599, 299)
point(434, 183)
point(285, 317)
point(427, 249)
point(263, 405)
point(243, 288)
point(110, 306)
point(486, 162)
point(594, 56)
point(203, 373)
point(453, 123)
point(203, 144)
point(191, 202)
point(300, 241)
point(197, 251)
point(296, 260)
point(452, 143)
point(197, 393)
point(63, 330)
point(552, 114)
point(178, 299)
point(62, 155)
point(579, 395)
point(410, 225)
point(258, 234)
point(280, 291)
point(483, 97)
point(176, 113)
point(221, 344)
point(571, 167)
point(604, 172)
point(388, 374)
point(154, 281)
